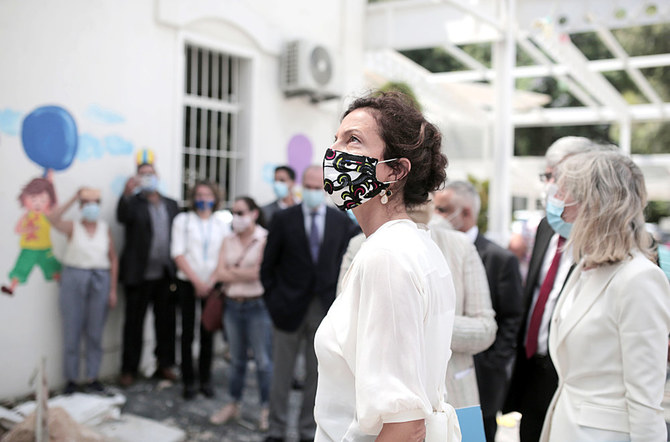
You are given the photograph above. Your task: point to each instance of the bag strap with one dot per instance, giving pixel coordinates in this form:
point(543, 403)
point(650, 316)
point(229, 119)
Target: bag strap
point(245, 252)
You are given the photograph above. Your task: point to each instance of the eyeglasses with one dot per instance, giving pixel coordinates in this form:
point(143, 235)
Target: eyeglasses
point(546, 177)
point(239, 213)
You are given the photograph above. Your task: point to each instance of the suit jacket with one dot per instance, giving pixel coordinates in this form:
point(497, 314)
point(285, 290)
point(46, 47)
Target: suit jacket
point(133, 213)
point(269, 210)
point(474, 323)
point(502, 272)
point(290, 277)
point(518, 382)
point(609, 348)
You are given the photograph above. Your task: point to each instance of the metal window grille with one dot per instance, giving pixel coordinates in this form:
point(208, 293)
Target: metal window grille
point(211, 119)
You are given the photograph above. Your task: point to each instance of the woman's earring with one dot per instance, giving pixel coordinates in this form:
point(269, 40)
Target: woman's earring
point(385, 195)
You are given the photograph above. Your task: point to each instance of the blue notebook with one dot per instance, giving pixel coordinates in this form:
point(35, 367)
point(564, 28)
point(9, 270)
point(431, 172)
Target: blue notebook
point(471, 423)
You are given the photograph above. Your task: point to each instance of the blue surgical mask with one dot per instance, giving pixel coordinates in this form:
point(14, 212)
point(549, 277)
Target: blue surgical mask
point(202, 205)
point(149, 183)
point(281, 189)
point(312, 198)
point(90, 212)
point(555, 209)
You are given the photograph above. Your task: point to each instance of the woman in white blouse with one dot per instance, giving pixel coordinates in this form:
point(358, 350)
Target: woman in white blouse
point(609, 330)
point(196, 239)
point(384, 345)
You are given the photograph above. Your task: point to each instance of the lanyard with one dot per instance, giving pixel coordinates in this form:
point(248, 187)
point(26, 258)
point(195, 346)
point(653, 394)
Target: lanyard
point(205, 238)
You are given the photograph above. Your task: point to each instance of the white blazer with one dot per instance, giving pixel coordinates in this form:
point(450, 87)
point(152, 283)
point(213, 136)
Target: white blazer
point(610, 351)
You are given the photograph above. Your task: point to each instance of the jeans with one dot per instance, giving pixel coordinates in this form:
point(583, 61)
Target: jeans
point(248, 325)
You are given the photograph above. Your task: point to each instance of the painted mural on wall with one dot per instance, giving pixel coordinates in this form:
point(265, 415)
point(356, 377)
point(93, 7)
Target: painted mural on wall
point(50, 139)
point(299, 151)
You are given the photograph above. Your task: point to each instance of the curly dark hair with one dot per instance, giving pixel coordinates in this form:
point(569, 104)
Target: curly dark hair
point(407, 134)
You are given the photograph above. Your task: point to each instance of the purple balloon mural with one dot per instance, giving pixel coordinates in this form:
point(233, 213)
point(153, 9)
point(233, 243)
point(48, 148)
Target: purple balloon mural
point(299, 154)
point(49, 136)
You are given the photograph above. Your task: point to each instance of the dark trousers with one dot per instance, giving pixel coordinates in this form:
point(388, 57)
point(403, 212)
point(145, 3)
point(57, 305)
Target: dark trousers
point(187, 305)
point(157, 292)
point(540, 384)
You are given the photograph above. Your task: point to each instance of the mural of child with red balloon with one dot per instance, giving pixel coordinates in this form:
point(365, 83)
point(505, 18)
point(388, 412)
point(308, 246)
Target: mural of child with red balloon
point(49, 138)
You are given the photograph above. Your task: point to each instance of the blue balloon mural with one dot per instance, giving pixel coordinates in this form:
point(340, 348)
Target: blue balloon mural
point(49, 136)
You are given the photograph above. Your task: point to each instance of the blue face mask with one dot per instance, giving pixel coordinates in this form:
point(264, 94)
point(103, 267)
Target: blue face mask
point(312, 198)
point(555, 209)
point(202, 205)
point(149, 183)
point(90, 212)
point(281, 189)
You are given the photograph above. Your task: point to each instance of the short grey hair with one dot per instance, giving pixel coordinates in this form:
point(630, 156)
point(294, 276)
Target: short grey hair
point(566, 146)
point(467, 192)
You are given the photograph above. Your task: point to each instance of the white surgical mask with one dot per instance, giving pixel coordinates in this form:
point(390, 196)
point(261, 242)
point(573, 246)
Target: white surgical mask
point(241, 223)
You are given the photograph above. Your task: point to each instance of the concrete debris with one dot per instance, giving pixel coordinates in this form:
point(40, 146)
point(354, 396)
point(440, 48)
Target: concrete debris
point(62, 428)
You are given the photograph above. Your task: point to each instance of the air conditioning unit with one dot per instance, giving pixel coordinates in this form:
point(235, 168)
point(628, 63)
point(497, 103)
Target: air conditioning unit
point(308, 68)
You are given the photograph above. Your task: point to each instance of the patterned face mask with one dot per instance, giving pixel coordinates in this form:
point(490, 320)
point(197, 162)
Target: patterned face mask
point(350, 179)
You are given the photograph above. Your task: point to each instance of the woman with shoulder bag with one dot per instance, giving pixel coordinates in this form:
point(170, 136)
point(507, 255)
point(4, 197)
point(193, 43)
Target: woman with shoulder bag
point(245, 318)
point(196, 238)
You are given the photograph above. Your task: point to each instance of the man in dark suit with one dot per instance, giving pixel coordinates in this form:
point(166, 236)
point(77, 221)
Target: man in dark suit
point(299, 272)
point(534, 378)
point(147, 272)
point(459, 202)
point(283, 190)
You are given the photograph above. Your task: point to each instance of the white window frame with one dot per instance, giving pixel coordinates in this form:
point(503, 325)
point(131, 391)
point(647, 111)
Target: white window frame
point(233, 152)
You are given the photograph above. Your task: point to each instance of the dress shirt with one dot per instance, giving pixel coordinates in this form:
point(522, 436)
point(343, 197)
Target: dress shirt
point(199, 241)
point(562, 272)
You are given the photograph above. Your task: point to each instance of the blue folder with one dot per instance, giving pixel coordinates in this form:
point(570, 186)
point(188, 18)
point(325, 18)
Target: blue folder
point(471, 423)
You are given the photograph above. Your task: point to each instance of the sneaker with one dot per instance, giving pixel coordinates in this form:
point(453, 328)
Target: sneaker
point(95, 386)
point(228, 412)
point(264, 420)
point(70, 388)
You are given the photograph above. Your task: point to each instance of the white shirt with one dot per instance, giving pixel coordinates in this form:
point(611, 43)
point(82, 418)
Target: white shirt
point(383, 347)
point(562, 273)
point(199, 240)
point(85, 251)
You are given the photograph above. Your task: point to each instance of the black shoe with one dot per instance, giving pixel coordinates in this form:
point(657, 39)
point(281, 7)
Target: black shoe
point(273, 439)
point(95, 387)
point(207, 390)
point(189, 392)
point(70, 388)
point(307, 440)
point(297, 384)
point(165, 373)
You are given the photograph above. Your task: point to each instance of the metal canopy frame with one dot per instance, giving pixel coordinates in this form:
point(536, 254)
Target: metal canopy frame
point(541, 28)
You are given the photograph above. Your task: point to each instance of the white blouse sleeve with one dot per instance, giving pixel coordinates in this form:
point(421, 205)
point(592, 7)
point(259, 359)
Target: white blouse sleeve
point(390, 351)
point(178, 240)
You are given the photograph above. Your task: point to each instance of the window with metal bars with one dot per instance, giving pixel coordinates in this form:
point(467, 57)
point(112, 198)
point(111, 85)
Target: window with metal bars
point(211, 111)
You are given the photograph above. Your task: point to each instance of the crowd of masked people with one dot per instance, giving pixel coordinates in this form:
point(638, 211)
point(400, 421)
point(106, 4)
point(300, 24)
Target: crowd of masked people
point(584, 326)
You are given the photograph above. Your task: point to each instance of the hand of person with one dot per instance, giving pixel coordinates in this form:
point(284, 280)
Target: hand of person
point(224, 275)
point(112, 299)
point(201, 289)
point(131, 184)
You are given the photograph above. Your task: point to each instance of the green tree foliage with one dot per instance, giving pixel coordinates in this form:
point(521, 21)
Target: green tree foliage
point(403, 88)
point(482, 187)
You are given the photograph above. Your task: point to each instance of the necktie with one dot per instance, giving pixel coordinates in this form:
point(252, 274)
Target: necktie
point(538, 311)
point(314, 240)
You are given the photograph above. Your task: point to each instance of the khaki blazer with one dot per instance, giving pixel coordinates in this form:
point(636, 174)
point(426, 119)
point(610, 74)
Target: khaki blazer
point(609, 349)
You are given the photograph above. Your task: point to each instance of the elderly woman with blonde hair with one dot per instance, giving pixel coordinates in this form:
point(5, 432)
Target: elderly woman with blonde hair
point(610, 328)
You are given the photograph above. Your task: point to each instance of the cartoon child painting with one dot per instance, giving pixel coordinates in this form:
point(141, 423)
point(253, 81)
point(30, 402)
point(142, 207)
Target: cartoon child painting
point(38, 197)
